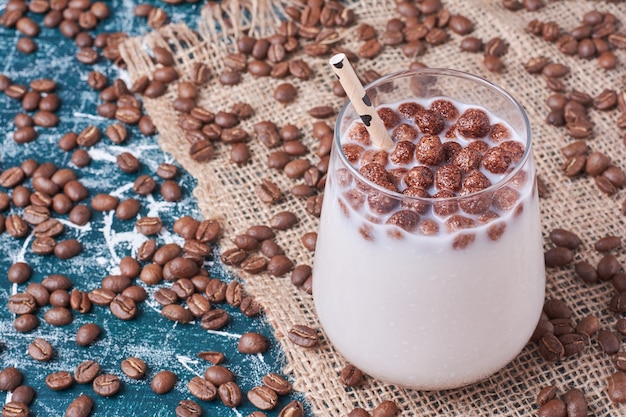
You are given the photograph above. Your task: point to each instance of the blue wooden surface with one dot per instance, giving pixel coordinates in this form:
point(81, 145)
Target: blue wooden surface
point(160, 342)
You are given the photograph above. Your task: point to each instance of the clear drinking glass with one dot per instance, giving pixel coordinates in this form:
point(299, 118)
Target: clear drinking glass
point(407, 292)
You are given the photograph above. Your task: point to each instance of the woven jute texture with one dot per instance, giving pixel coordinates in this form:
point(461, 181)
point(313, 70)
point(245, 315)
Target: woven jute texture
point(225, 191)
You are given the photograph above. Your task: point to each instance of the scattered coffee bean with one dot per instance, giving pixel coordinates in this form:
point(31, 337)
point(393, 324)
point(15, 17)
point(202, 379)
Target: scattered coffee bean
point(106, 385)
point(80, 407)
point(163, 382)
point(303, 336)
point(58, 381)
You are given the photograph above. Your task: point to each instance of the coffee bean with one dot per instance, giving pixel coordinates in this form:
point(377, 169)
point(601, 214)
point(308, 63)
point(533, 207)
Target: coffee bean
point(268, 192)
point(546, 394)
point(148, 225)
point(163, 382)
point(10, 378)
point(492, 63)
point(11, 177)
point(171, 191)
point(608, 266)
point(79, 301)
point(293, 409)
point(617, 387)
point(23, 394)
point(254, 264)
point(202, 389)
point(351, 376)
point(551, 348)
point(359, 412)
point(58, 381)
point(214, 319)
point(263, 397)
point(67, 249)
point(564, 238)
point(609, 342)
point(80, 407)
point(123, 307)
point(25, 323)
point(25, 134)
point(283, 220)
point(87, 334)
point(309, 240)
point(276, 383)
point(188, 408)
point(608, 243)
point(106, 385)
point(558, 256)
point(553, 408)
point(15, 409)
point(58, 316)
point(40, 350)
point(19, 272)
point(285, 93)
point(230, 394)
point(303, 336)
point(252, 343)
point(21, 303)
point(279, 265)
point(177, 313)
point(128, 209)
point(134, 368)
point(104, 202)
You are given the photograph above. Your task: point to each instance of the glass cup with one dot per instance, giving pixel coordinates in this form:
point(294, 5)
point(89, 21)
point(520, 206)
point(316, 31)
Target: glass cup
point(423, 292)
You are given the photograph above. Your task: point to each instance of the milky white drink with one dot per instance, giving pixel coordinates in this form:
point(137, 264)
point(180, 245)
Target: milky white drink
point(443, 288)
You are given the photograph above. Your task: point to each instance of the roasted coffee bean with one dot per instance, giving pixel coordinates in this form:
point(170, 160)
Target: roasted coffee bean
point(106, 385)
point(572, 343)
point(15, 409)
point(58, 316)
point(556, 309)
point(67, 249)
point(252, 343)
point(35, 215)
point(10, 378)
point(554, 407)
point(163, 381)
point(40, 350)
point(254, 264)
point(617, 387)
point(279, 265)
point(359, 412)
point(293, 409)
point(21, 303)
point(558, 256)
point(283, 220)
point(565, 238)
point(19, 272)
point(263, 397)
point(59, 380)
point(177, 313)
point(303, 336)
point(123, 307)
point(202, 389)
point(285, 93)
point(608, 243)
point(134, 368)
point(546, 394)
point(79, 301)
point(80, 215)
point(608, 266)
point(268, 192)
point(171, 191)
point(212, 356)
point(104, 202)
point(128, 209)
point(87, 334)
point(214, 319)
point(25, 134)
point(80, 407)
point(309, 240)
point(351, 376)
point(149, 225)
point(277, 383)
point(230, 394)
point(101, 297)
point(23, 394)
point(188, 408)
point(551, 348)
point(60, 298)
point(300, 274)
point(25, 323)
point(609, 342)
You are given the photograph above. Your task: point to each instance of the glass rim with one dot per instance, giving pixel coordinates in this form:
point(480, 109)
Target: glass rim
point(437, 72)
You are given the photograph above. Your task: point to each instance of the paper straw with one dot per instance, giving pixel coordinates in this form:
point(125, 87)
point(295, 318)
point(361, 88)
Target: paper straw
point(361, 102)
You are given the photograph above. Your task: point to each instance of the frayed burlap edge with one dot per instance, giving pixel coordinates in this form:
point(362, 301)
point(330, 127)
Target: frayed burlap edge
point(225, 191)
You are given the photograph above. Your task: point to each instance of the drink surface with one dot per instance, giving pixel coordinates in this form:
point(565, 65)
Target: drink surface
point(424, 295)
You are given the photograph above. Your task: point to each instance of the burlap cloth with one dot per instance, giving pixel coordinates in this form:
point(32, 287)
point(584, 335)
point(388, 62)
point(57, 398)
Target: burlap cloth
point(225, 191)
